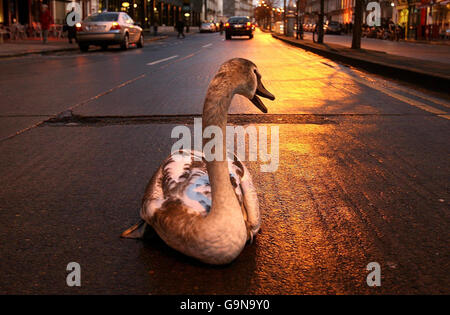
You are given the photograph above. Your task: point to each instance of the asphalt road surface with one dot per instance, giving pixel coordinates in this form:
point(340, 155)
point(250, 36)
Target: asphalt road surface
point(363, 173)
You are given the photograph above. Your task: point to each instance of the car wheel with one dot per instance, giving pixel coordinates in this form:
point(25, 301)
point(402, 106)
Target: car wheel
point(84, 47)
point(227, 37)
point(125, 43)
point(140, 43)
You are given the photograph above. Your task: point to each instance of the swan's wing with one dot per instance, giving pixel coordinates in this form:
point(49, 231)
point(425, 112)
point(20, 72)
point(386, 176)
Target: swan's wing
point(248, 195)
point(181, 177)
point(153, 196)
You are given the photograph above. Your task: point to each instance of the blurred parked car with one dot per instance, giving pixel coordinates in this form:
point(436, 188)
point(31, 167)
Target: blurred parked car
point(279, 27)
point(109, 28)
point(332, 28)
point(239, 26)
point(207, 27)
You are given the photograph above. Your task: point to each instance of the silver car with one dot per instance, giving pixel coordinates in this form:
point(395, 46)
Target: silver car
point(207, 27)
point(109, 28)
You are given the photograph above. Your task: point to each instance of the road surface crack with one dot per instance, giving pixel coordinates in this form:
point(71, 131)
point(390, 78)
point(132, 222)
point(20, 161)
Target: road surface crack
point(69, 119)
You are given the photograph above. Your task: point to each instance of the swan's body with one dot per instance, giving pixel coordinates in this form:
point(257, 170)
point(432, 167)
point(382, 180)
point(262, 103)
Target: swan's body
point(207, 210)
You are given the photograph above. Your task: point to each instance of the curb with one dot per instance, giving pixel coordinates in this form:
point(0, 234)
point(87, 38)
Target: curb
point(429, 80)
point(37, 52)
point(152, 39)
point(65, 49)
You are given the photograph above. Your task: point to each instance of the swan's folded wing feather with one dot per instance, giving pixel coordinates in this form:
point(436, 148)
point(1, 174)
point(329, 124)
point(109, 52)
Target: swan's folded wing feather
point(180, 178)
point(250, 198)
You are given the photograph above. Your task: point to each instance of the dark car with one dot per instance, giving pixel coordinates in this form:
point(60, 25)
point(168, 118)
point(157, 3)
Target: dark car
point(332, 28)
point(239, 26)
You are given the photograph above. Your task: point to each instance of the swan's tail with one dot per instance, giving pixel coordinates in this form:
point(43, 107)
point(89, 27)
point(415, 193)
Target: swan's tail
point(136, 231)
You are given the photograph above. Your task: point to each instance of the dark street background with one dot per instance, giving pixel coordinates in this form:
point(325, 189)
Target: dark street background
point(363, 174)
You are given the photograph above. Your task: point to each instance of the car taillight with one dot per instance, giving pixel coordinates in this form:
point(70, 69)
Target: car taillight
point(78, 26)
point(249, 24)
point(227, 24)
point(115, 26)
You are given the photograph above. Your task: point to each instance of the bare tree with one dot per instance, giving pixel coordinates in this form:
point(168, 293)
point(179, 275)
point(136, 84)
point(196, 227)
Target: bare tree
point(320, 22)
point(264, 12)
point(357, 27)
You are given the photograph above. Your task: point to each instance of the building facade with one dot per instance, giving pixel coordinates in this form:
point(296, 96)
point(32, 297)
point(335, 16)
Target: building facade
point(146, 12)
point(237, 8)
point(422, 19)
point(211, 9)
point(27, 11)
point(151, 12)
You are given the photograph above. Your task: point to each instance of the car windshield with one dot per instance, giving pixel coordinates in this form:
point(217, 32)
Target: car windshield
point(238, 20)
point(103, 17)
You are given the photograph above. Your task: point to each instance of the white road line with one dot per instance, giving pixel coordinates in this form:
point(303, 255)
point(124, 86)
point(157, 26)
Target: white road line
point(383, 82)
point(161, 60)
point(403, 98)
point(19, 132)
point(376, 85)
point(207, 45)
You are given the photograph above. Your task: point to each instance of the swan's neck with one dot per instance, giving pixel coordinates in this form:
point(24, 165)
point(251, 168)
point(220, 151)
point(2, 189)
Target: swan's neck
point(215, 112)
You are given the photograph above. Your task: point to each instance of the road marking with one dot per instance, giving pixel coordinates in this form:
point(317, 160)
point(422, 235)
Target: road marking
point(383, 89)
point(121, 85)
point(181, 59)
point(410, 91)
point(403, 98)
point(425, 97)
point(207, 45)
point(161, 60)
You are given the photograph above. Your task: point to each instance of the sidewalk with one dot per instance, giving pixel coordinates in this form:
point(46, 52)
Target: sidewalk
point(169, 31)
point(17, 48)
point(413, 49)
point(431, 74)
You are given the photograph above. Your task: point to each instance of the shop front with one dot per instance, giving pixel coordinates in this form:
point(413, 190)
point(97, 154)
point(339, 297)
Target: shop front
point(441, 16)
point(425, 20)
point(151, 12)
point(26, 12)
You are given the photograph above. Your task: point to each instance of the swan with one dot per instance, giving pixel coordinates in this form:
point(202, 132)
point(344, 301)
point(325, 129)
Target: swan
point(207, 209)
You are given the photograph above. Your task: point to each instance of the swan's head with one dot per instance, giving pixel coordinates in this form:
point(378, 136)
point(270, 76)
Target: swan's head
point(246, 74)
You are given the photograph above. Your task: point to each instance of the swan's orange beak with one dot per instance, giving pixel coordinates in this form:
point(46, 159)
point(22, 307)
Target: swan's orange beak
point(261, 91)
